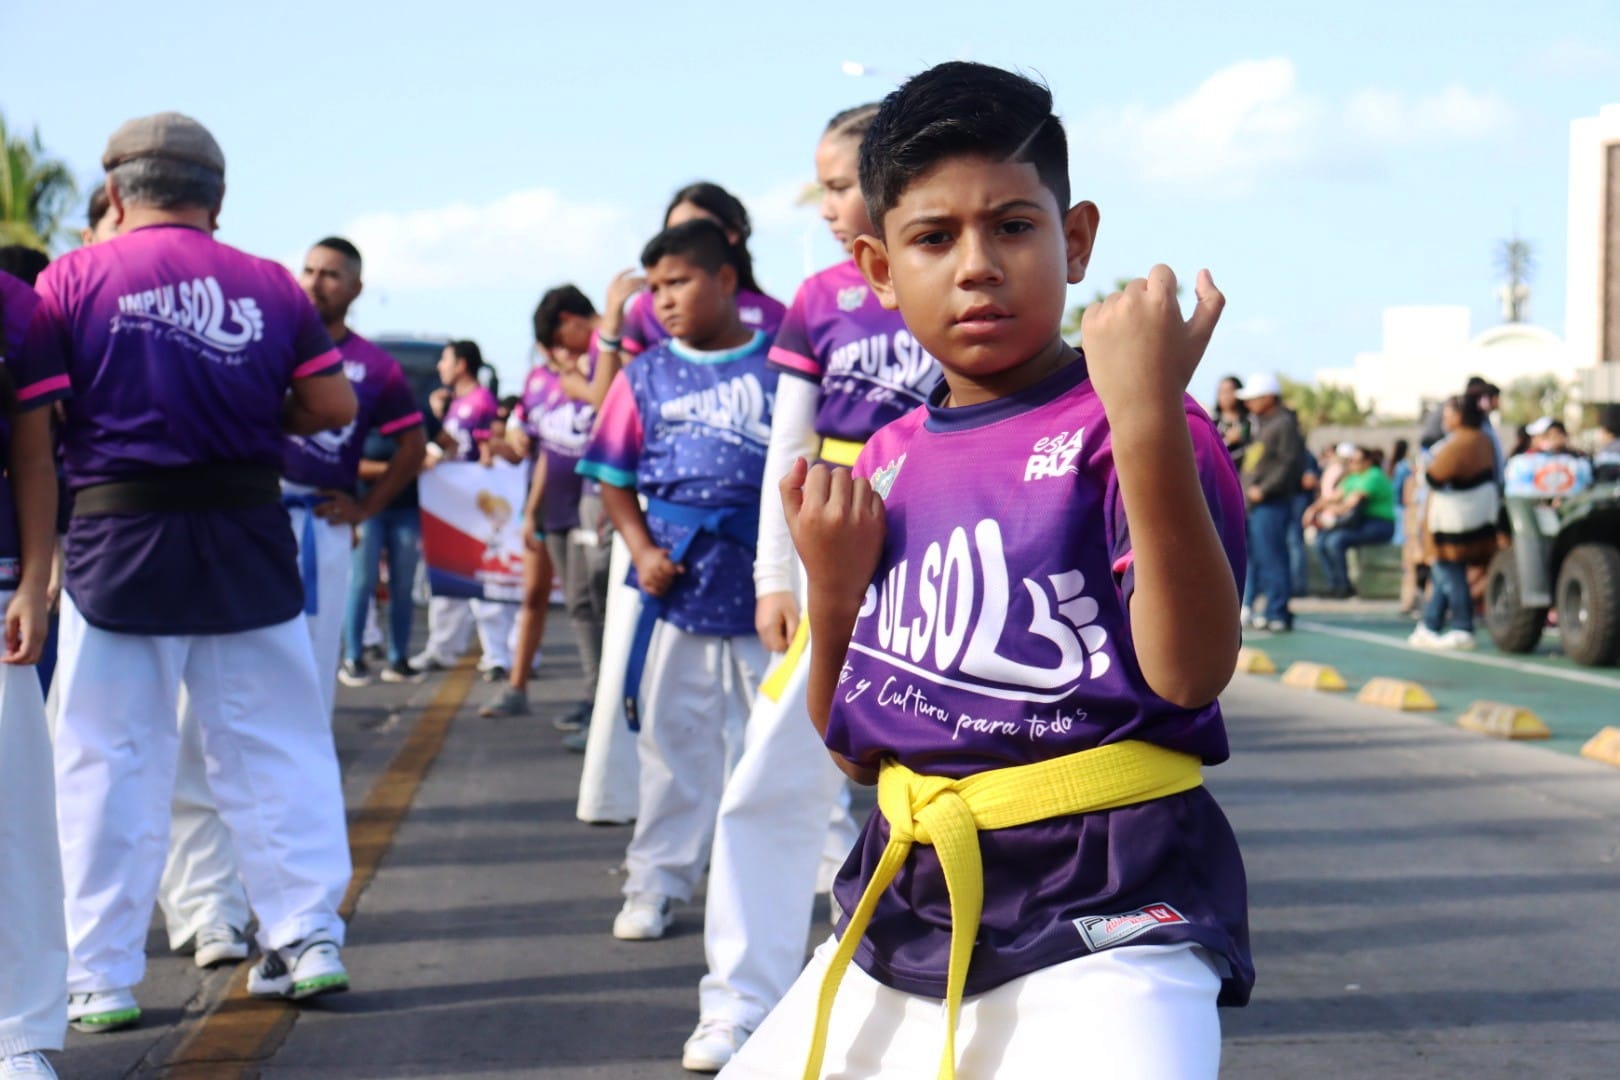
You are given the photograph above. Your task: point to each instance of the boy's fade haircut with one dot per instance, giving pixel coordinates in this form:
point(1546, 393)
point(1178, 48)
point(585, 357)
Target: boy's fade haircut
point(98, 206)
point(700, 241)
point(344, 248)
point(554, 304)
point(961, 109)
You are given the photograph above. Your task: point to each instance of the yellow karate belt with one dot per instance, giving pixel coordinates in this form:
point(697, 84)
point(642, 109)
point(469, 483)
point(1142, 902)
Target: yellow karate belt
point(839, 452)
point(949, 815)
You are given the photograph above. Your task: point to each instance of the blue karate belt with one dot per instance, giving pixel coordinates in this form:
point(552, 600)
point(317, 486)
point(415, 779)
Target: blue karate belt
point(309, 564)
point(739, 524)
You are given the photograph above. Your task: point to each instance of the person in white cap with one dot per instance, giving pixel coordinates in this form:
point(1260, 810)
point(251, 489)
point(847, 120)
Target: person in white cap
point(1272, 467)
point(190, 363)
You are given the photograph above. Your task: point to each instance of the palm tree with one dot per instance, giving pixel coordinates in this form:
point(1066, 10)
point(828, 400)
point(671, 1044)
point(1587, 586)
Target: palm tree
point(1516, 259)
point(36, 191)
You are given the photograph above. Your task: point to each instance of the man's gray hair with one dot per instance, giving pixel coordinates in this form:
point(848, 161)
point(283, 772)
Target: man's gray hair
point(167, 184)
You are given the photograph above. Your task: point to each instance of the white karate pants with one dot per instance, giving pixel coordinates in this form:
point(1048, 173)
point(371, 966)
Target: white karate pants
point(271, 767)
point(609, 782)
point(696, 691)
point(450, 627)
point(1128, 1013)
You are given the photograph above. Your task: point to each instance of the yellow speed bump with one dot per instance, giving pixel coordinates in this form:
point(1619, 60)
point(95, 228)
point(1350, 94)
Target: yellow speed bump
point(1396, 694)
point(1501, 721)
point(1254, 662)
point(1309, 676)
point(1604, 747)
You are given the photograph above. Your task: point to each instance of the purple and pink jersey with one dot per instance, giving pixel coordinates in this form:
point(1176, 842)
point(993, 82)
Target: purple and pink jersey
point(642, 330)
point(331, 459)
point(181, 352)
point(691, 427)
point(559, 426)
point(870, 369)
point(37, 380)
point(469, 419)
point(996, 633)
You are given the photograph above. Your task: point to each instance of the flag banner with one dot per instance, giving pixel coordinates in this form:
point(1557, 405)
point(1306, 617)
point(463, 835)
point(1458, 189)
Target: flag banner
point(472, 529)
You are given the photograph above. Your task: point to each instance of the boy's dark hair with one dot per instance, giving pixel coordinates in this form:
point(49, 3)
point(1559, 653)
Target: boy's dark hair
point(470, 354)
point(557, 302)
point(342, 247)
point(730, 212)
point(961, 109)
point(1609, 419)
point(1468, 410)
point(23, 262)
point(701, 241)
point(99, 205)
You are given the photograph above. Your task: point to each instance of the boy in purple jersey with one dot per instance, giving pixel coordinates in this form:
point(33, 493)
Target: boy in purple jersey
point(1035, 577)
point(686, 426)
point(550, 427)
point(33, 947)
point(201, 893)
point(190, 362)
point(850, 366)
point(469, 412)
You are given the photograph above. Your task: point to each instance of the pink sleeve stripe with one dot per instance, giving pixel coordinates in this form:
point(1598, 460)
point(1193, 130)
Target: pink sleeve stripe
point(795, 361)
point(44, 386)
point(328, 359)
point(401, 424)
point(1124, 562)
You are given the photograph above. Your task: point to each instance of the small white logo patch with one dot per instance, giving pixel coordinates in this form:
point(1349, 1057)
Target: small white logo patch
point(1055, 455)
point(851, 298)
point(1102, 931)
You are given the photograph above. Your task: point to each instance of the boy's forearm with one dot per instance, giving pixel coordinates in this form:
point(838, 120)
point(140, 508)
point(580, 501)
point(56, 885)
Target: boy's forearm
point(831, 627)
point(33, 478)
point(1184, 609)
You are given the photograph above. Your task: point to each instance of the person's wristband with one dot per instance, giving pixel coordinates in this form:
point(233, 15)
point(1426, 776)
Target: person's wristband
point(605, 341)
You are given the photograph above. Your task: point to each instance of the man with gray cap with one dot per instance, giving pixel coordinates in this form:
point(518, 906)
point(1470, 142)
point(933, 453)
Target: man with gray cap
point(190, 363)
point(1272, 466)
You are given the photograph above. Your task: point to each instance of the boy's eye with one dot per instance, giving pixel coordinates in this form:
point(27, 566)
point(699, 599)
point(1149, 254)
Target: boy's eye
point(1017, 226)
point(933, 239)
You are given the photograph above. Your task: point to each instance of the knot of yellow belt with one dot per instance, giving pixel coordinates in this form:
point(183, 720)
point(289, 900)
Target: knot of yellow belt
point(948, 814)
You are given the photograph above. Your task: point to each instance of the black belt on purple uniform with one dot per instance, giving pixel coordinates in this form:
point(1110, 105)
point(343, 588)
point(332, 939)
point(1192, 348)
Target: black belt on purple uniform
point(188, 489)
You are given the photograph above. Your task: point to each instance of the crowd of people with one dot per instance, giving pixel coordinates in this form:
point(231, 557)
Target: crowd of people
point(896, 532)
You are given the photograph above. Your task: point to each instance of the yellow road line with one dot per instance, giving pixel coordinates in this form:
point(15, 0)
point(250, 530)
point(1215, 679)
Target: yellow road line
point(235, 1038)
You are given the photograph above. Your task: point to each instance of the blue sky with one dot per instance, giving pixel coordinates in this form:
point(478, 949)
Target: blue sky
point(1323, 161)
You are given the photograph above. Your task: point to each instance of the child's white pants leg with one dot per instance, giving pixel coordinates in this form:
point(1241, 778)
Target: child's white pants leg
point(696, 691)
point(496, 622)
point(769, 841)
point(450, 628)
point(609, 782)
point(33, 939)
point(1129, 1013)
point(334, 547)
point(201, 885)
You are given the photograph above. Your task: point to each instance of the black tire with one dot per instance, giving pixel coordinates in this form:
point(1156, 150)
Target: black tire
point(1588, 597)
point(1514, 627)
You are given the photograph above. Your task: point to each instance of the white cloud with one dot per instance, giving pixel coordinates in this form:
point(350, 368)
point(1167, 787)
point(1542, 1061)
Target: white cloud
point(1252, 120)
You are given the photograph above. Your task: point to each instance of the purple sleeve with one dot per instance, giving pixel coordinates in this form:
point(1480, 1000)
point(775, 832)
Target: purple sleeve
point(1223, 495)
point(635, 335)
point(313, 351)
point(396, 408)
point(614, 451)
point(793, 351)
point(37, 364)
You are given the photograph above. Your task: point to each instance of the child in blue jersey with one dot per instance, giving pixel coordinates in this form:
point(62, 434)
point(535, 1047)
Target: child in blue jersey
point(686, 426)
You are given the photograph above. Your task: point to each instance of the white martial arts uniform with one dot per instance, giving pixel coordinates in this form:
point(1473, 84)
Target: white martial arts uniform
point(271, 765)
point(201, 885)
point(451, 621)
point(696, 691)
point(1127, 1013)
point(610, 776)
point(33, 939)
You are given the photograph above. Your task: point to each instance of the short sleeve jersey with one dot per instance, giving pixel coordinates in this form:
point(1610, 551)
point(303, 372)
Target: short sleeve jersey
point(869, 368)
point(642, 330)
point(331, 459)
point(468, 420)
point(37, 380)
point(1376, 490)
point(559, 426)
point(996, 633)
point(181, 352)
point(691, 428)
point(1546, 476)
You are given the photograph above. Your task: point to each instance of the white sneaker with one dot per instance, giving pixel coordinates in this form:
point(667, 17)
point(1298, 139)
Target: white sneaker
point(28, 1066)
point(219, 943)
point(644, 917)
point(426, 661)
point(1459, 639)
point(1424, 638)
point(103, 1010)
point(300, 970)
point(712, 1045)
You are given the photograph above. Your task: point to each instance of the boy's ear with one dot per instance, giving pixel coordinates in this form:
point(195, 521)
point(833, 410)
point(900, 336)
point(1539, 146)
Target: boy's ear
point(1079, 234)
point(727, 276)
point(872, 256)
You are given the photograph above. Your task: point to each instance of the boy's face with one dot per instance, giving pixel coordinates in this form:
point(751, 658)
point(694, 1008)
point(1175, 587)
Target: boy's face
point(571, 342)
point(977, 257)
point(450, 366)
point(691, 303)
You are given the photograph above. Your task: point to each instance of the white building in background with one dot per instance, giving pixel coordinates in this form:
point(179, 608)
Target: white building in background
point(1429, 353)
point(1592, 284)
